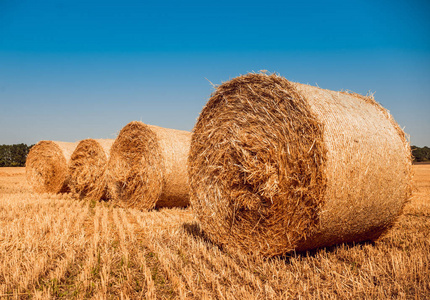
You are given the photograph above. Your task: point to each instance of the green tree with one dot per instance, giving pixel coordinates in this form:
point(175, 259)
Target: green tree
point(421, 154)
point(13, 155)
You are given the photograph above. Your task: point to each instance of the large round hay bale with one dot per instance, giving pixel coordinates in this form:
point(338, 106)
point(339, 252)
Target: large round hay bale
point(148, 167)
point(87, 168)
point(277, 166)
point(46, 166)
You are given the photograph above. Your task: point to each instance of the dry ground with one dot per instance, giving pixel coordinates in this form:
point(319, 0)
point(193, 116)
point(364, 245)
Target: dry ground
point(57, 247)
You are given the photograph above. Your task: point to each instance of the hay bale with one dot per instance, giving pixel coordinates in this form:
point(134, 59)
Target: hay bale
point(276, 166)
point(87, 168)
point(147, 167)
point(46, 166)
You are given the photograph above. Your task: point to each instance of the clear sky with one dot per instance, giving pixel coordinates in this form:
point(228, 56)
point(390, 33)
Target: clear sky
point(71, 70)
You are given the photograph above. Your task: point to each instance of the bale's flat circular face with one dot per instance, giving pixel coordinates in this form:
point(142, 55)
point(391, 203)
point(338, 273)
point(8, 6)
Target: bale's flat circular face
point(135, 167)
point(86, 170)
point(255, 166)
point(46, 168)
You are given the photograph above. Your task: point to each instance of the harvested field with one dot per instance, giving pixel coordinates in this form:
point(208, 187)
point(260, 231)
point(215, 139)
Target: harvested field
point(52, 246)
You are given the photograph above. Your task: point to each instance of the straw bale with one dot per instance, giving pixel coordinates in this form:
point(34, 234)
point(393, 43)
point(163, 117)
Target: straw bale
point(276, 166)
point(87, 168)
point(46, 166)
point(147, 167)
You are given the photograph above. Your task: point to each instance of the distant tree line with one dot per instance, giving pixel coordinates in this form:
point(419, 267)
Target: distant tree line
point(421, 154)
point(13, 155)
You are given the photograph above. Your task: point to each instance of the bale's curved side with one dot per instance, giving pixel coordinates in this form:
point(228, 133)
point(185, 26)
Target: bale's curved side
point(46, 166)
point(174, 147)
point(147, 167)
point(87, 168)
point(368, 167)
point(276, 166)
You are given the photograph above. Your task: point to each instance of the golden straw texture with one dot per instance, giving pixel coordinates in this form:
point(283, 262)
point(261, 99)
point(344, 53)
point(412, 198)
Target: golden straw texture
point(147, 167)
point(87, 168)
point(46, 166)
point(369, 168)
point(276, 166)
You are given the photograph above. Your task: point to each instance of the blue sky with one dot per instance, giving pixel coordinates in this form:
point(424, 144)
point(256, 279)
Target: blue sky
point(70, 70)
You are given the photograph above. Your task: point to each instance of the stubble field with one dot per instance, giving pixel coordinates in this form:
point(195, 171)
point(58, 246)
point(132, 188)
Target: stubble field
point(53, 246)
